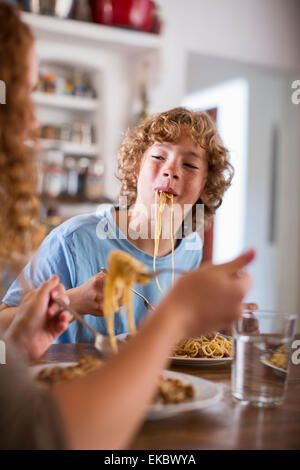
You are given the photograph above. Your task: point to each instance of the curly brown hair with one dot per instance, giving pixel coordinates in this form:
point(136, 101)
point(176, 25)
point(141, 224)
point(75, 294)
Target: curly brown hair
point(170, 126)
point(19, 206)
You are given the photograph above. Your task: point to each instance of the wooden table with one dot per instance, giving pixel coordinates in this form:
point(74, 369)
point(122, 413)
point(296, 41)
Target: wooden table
point(224, 425)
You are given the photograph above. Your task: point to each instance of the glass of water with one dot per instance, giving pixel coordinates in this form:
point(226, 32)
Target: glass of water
point(262, 348)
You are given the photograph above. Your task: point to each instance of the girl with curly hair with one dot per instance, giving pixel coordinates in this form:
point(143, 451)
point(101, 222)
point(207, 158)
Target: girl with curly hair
point(20, 232)
point(178, 152)
point(19, 206)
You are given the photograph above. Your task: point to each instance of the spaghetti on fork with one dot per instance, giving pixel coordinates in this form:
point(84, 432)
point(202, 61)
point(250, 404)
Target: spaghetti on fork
point(123, 271)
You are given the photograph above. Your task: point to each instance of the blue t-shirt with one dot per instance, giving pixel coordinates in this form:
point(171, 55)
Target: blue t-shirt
point(78, 248)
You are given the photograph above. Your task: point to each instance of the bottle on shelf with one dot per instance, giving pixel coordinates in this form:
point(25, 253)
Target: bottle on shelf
point(82, 167)
point(54, 174)
point(71, 177)
point(49, 83)
point(65, 132)
point(94, 182)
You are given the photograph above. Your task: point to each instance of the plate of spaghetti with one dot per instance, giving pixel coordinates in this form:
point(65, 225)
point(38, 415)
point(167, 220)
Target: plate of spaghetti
point(204, 350)
point(176, 392)
point(278, 360)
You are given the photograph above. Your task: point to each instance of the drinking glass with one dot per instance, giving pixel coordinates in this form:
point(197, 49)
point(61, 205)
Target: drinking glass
point(262, 348)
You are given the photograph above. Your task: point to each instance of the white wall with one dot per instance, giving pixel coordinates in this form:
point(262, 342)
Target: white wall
point(289, 208)
point(262, 32)
point(276, 270)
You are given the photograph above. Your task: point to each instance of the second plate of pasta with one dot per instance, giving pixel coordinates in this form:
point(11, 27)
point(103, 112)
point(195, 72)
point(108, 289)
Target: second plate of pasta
point(203, 350)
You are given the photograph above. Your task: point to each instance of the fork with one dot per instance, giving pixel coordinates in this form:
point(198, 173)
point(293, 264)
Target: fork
point(146, 302)
point(150, 275)
point(99, 339)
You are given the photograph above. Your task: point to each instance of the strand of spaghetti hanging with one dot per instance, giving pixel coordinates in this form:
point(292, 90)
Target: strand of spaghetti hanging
point(172, 234)
point(158, 216)
point(158, 227)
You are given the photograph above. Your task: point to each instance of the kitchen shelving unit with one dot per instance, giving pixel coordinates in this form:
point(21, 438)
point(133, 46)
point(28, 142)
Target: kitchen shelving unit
point(65, 102)
point(113, 58)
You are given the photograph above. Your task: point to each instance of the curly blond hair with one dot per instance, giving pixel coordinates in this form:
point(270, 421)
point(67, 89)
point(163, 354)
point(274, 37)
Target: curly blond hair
point(19, 206)
point(170, 126)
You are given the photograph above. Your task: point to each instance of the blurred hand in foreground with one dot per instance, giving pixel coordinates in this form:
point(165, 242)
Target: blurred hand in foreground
point(39, 320)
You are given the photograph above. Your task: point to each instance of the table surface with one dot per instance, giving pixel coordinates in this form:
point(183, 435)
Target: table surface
point(224, 425)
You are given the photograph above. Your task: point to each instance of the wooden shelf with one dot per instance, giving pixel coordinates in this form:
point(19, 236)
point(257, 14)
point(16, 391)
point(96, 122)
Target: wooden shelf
point(125, 40)
point(66, 102)
point(73, 148)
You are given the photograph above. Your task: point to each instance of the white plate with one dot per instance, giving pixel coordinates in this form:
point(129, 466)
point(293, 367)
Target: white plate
point(106, 346)
point(276, 369)
point(206, 393)
point(199, 361)
point(188, 361)
point(34, 370)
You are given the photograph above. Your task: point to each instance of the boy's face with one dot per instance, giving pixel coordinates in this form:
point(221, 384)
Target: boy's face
point(179, 168)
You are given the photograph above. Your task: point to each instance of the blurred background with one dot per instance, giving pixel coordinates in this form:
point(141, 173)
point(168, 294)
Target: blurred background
point(105, 64)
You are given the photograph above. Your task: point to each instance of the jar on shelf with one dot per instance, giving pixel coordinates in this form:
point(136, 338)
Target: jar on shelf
point(68, 88)
point(86, 133)
point(80, 84)
point(60, 85)
point(94, 187)
point(65, 132)
point(54, 174)
point(71, 177)
point(82, 168)
point(49, 132)
point(76, 134)
point(49, 83)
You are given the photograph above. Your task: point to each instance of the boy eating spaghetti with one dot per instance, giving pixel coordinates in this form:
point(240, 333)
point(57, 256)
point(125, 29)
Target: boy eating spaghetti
point(171, 161)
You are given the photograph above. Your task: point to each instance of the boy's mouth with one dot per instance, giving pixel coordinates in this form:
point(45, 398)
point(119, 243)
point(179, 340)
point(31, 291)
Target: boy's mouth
point(167, 190)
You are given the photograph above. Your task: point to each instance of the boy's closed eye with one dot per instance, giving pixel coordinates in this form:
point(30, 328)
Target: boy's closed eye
point(158, 157)
point(189, 165)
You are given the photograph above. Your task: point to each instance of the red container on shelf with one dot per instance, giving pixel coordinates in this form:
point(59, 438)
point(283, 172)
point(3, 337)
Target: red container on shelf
point(135, 14)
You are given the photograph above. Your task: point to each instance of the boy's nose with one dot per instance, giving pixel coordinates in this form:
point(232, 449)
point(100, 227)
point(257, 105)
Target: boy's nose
point(170, 174)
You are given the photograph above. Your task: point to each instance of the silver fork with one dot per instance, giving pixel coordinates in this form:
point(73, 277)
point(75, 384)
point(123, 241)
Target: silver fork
point(146, 302)
point(151, 275)
point(99, 339)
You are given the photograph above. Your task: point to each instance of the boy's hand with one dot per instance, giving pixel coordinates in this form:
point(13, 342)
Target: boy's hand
point(87, 299)
point(38, 322)
point(246, 306)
